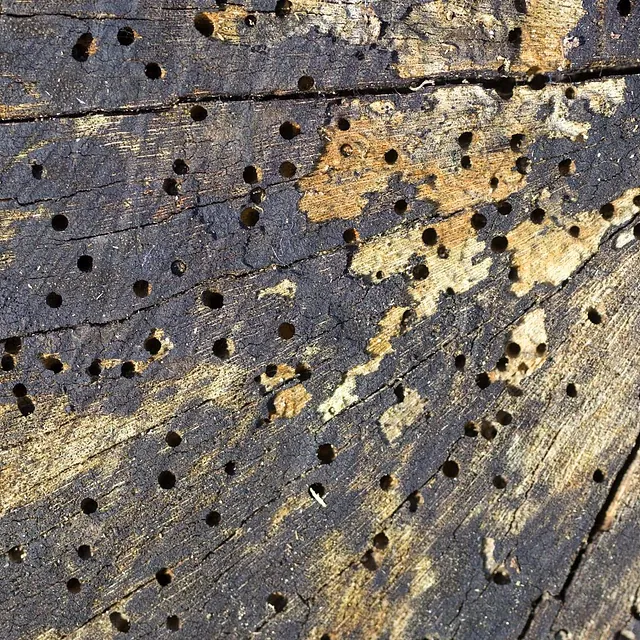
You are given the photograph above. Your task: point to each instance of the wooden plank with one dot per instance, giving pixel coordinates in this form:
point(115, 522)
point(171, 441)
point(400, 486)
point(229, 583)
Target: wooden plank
point(140, 55)
point(353, 366)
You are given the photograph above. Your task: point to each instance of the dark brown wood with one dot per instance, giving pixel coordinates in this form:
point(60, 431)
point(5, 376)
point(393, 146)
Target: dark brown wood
point(330, 362)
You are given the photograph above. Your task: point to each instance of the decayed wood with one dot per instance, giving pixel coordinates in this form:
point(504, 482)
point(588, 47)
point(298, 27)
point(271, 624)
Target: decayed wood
point(358, 366)
point(132, 55)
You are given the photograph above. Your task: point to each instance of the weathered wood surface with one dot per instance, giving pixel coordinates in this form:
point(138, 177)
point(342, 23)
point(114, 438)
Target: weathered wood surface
point(419, 306)
point(88, 56)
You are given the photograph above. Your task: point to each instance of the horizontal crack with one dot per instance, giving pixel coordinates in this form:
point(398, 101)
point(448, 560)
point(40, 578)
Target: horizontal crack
point(488, 80)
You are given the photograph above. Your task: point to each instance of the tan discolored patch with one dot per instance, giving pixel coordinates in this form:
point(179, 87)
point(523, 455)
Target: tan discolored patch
point(283, 373)
point(405, 248)
point(56, 446)
point(364, 604)
point(439, 37)
point(359, 162)
point(548, 252)
point(526, 349)
point(458, 35)
point(379, 346)
point(546, 28)
point(9, 219)
point(285, 289)
point(354, 22)
point(397, 418)
point(399, 253)
point(290, 402)
point(605, 96)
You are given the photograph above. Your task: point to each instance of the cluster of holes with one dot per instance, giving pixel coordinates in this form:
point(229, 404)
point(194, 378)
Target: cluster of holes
point(326, 453)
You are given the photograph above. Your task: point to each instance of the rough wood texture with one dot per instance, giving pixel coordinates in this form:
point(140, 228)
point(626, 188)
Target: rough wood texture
point(330, 331)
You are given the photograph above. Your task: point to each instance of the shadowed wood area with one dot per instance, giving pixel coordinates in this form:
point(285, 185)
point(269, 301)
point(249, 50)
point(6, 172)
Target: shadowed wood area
point(320, 319)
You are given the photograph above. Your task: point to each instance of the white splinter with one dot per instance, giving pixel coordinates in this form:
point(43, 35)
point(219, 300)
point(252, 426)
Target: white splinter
point(317, 497)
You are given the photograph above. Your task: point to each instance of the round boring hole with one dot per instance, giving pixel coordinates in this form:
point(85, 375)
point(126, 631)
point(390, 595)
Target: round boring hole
point(537, 216)
point(213, 519)
point(326, 453)
point(84, 552)
point(513, 349)
point(470, 429)
point(17, 554)
point(499, 244)
point(251, 174)
point(499, 482)
point(420, 272)
point(594, 316)
point(95, 368)
point(89, 505)
point(278, 601)
point(230, 468)
point(152, 345)
point(180, 167)
point(567, 167)
point(203, 24)
point(504, 207)
point(153, 71)
point(173, 623)
point(212, 299)
point(598, 475)
point(54, 300)
point(344, 124)
point(164, 577)
point(128, 369)
point(483, 380)
point(283, 8)
point(286, 330)
point(249, 217)
point(7, 362)
point(59, 222)
point(221, 349)
point(53, 363)
point(430, 237)
point(198, 113)
point(178, 268)
point(37, 170)
point(607, 211)
point(287, 169)
point(166, 479)
point(173, 439)
point(170, 186)
point(13, 345)
point(73, 585)
point(350, 236)
point(120, 622)
point(478, 221)
point(465, 139)
point(289, 130)
point(572, 390)
point(400, 207)
point(141, 288)
point(391, 156)
point(306, 83)
point(451, 469)
point(85, 264)
point(387, 482)
point(517, 139)
point(126, 36)
point(25, 406)
point(381, 541)
point(19, 390)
